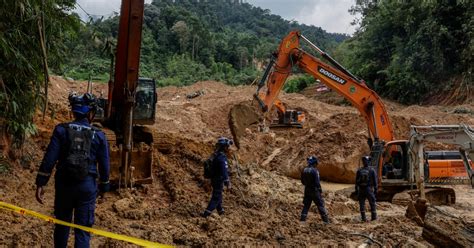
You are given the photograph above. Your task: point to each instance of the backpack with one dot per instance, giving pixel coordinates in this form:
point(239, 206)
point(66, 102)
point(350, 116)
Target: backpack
point(76, 161)
point(209, 166)
point(307, 177)
point(364, 177)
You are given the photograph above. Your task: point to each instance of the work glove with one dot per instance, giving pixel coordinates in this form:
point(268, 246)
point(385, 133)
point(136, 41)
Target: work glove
point(39, 194)
point(103, 188)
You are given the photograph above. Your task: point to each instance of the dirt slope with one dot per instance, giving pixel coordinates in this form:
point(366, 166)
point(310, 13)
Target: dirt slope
point(264, 204)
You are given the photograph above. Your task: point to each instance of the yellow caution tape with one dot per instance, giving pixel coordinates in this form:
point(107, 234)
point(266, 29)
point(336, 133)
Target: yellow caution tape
point(49, 219)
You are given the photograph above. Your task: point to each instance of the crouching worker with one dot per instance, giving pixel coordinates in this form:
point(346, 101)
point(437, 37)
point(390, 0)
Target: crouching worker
point(312, 190)
point(77, 147)
point(366, 188)
point(216, 170)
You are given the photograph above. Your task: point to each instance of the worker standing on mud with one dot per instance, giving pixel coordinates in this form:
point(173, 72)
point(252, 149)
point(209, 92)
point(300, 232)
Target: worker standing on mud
point(312, 190)
point(366, 188)
point(219, 175)
point(77, 147)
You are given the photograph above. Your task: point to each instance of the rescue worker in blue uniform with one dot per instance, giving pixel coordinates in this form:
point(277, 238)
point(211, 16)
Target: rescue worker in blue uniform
point(75, 192)
point(366, 188)
point(312, 190)
point(220, 176)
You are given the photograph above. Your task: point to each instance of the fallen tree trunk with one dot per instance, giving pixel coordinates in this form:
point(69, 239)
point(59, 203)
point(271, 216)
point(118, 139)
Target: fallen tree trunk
point(444, 229)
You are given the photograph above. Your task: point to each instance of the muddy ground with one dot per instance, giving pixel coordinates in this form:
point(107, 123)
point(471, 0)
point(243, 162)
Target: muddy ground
point(263, 206)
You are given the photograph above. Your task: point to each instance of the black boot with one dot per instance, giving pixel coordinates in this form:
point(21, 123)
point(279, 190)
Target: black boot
point(374, 216)
point(362, 217)
point(303, 218)
point(206, 213)
point(325, 219)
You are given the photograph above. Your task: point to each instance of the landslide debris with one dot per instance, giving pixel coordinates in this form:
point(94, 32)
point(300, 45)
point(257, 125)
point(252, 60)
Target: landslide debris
point(263, 206)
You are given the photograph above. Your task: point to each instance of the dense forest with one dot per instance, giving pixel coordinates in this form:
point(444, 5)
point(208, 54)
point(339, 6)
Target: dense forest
point(412, 50)
point(186, 41)
point(408, 51)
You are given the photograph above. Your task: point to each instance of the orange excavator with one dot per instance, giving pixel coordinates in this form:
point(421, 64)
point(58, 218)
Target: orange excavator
point(336, 77)
point(131, 103)
point(369, 104)
point(287, 117)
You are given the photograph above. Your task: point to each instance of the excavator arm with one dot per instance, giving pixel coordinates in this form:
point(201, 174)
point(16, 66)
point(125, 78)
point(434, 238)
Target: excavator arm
point(334, 76)
point(131, 103)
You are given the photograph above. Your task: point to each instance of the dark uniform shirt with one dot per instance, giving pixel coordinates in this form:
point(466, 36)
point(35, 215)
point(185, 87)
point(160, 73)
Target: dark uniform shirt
point(58, 147)
point(372, 178)
point(221, 167)
point(315, 183)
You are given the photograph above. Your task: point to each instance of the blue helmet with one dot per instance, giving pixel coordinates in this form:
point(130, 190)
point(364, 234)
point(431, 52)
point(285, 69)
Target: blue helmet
point(224, 142)
point(366, 160)
point(82, 104)
point(312, 160)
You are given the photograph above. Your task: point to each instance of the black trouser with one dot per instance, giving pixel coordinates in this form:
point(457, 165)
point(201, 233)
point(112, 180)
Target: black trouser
point(369, 195)
point(313, 196)
point(216, 198)
point(78, 199)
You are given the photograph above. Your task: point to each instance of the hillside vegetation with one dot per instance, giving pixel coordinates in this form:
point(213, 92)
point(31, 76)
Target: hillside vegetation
point(412, 50)
point(186, 41)
point(409, 51)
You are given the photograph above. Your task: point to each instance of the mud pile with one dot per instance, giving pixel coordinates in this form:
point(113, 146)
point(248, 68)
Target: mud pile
point(263, 206)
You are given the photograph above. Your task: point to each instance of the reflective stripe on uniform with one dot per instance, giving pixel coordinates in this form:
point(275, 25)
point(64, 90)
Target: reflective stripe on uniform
point(44, 174)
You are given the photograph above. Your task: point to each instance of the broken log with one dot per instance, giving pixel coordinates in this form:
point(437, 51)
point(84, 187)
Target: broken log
point(444, 229)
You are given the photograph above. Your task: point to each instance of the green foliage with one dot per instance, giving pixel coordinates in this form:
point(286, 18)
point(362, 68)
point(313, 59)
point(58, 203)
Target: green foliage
point(96, 67)
point(21, 71)
point(185, 41)
point(405, 49)
point(181, 70)
point(298, 83)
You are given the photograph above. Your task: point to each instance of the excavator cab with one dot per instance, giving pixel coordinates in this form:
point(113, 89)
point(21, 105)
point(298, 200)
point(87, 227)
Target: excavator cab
point(395, 161)
point(145, 102)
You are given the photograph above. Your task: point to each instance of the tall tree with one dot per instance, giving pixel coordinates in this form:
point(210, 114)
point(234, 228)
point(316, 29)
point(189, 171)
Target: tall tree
point(22, 55)
point(413, 48)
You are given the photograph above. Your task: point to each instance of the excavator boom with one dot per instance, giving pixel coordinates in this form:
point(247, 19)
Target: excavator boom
point(335, 77)
point(131, 102)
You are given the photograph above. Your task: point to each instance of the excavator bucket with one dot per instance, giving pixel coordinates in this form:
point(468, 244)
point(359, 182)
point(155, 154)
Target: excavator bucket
point(140, 167)
point(242, 116)
point(140, 171)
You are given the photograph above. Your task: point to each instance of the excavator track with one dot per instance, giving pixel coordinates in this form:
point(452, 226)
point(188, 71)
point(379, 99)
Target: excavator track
point(434, 196)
